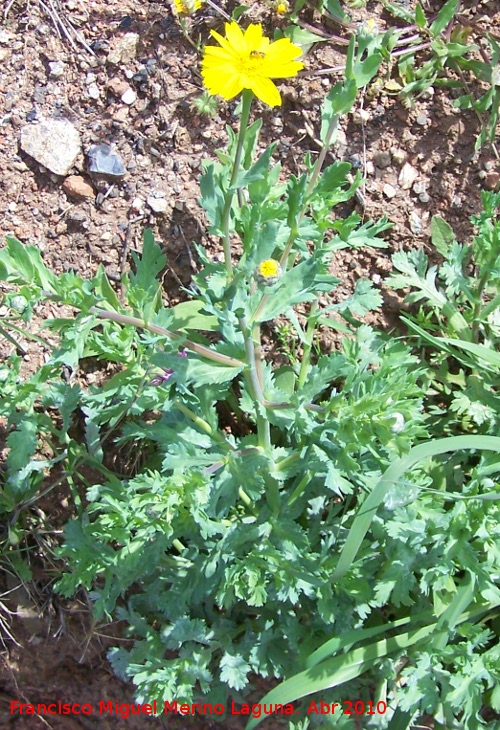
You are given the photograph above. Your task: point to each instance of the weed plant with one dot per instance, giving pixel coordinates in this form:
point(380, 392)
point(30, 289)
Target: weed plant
point(333, 521)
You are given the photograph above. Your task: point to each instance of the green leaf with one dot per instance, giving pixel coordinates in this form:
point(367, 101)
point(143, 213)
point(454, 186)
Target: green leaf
point(444, 18)
point(234, 671)
point(187, 316)
point(482, 352)
point(144, 290)
point(442, 235)
point(339, 101)
point(24, 264)
point(420, 18)
point(302, 37)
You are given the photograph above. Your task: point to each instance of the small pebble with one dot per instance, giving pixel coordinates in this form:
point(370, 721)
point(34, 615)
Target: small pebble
point(158, 205)
point(360, 116)
point(117, 86)
point(56, 69)
point(129, 97)
point(491, 180)
point(418, 188)
point(93, 91)
point(137, 205)
point(415, 223)
point(421, 120)
point(389, 191)
point(77, 188)
point(382, 159)
point(407, 176)
point(103, 160)
point(398, 155)
point(424, 197)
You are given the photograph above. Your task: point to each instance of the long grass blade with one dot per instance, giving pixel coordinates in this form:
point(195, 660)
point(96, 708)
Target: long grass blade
point(369, 507)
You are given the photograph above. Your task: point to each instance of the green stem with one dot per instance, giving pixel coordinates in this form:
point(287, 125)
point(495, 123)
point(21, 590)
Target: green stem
point(202, 424)
point(194, 346)
point(479, 315)
point(294, 227)
point(246, 103)
point(306, 353)
point(255, 388)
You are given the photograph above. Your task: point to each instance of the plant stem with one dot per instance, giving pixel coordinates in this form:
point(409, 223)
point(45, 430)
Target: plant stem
point(332, 129)
point(255, 387)
point(201, 423)
point(194, 346)
point(246, 103)
point(306, 352)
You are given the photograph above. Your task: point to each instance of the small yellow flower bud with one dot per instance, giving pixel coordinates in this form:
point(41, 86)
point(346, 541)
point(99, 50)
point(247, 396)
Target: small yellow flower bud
point(268, 272)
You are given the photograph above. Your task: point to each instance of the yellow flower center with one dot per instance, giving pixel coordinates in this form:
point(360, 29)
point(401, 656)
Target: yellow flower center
point(253, 64)
point(268, 268)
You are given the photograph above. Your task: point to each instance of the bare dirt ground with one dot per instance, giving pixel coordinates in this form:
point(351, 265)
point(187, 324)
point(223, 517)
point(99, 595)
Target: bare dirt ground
point(140, 102)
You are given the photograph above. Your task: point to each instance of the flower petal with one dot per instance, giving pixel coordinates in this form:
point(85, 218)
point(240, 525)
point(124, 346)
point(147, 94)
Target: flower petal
point(235, 37)
point(266, 91)
point(253, 37)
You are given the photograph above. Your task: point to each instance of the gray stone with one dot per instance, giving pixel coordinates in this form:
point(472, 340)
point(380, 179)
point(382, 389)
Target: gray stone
point(105, 163)
point(157, 203)
point(54, 143)
point(382, 159)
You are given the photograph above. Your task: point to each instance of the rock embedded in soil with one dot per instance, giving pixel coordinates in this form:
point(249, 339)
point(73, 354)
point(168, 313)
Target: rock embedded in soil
point(129, 97)
point(117, 86)
point(105, 163)
point(77, 188)
point(124, 49)
point(389, 191)
point(54, 143)
point(157, 203)
point(407, 176)
point(382, 159)
point(491, 180)
point(56, 69)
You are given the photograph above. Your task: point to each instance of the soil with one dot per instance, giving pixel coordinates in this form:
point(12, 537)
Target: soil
point(51, 649)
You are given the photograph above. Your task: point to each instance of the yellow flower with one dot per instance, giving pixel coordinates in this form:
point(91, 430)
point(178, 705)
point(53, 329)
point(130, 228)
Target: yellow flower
point(249, 61)
point(281, 7)
point(187, 7)
point(268, 272)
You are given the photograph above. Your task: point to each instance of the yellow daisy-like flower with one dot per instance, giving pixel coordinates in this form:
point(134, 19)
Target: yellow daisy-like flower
point(249, 60)
point(187, 7)
point(268, 272)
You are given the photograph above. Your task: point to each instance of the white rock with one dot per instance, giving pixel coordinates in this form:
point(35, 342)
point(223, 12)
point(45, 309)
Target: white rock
point(56, 69)
point(54, 143)
point(407, 176)
point(389, 191)
point(157, 205)
point(137, 205)
point(129, 97)
point(93, 91)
